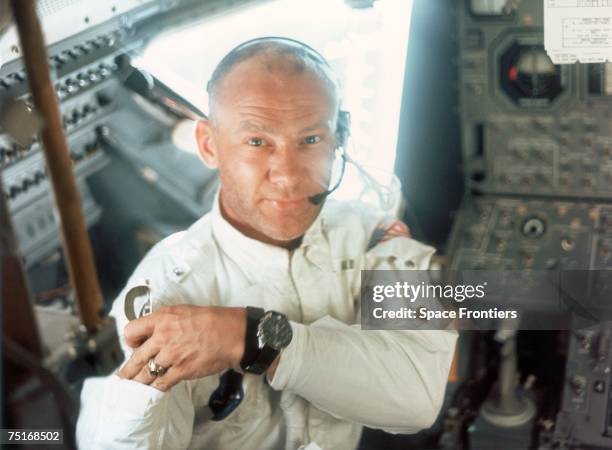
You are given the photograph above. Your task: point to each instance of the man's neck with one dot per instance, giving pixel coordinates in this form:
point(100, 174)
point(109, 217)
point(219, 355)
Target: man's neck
point(257, 235)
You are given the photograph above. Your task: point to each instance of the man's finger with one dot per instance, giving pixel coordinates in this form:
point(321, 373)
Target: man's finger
point(144, 376)
point(139, 330)
point(139, 359)
point(165, 358)
point(165, 382)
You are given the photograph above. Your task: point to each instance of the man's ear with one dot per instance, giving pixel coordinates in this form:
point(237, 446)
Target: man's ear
point(206, 143)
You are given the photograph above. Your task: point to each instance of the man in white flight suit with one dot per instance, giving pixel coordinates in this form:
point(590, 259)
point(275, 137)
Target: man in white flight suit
point(272, 133)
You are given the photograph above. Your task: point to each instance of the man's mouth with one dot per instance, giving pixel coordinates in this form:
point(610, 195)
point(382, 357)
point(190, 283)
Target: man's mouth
point(285, 204)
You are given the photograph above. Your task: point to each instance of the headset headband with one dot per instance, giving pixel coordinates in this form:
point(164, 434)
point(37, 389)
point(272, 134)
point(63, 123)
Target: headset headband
point(285, 40)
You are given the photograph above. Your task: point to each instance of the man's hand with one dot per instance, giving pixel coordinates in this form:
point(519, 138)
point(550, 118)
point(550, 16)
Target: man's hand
point(191, 341)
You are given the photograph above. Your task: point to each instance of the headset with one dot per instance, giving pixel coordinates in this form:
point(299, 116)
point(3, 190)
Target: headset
point(344, 117)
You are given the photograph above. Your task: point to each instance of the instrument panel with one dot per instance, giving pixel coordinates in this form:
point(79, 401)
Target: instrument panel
point(530, 127)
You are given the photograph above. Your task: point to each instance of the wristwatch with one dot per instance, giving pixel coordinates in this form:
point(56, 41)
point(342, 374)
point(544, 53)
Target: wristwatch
point(267, 333)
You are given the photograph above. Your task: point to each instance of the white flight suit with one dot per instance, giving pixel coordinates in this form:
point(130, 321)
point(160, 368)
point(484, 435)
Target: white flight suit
point(331, 379)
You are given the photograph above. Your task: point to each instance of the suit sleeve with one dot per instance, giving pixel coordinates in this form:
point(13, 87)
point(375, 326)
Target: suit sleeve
point(397, 378)
point(121, 414)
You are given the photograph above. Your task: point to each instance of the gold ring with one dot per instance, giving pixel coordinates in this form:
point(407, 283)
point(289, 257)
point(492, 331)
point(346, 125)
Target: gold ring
point(155, 370)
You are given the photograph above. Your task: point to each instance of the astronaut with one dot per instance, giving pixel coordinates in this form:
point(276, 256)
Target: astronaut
point(254, 340)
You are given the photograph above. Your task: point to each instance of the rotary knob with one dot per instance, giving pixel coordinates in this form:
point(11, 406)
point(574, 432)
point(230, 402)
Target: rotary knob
point(577, 384)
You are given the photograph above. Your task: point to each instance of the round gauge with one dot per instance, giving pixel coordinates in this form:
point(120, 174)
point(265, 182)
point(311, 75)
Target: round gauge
point(528, 74)
point(533, 227)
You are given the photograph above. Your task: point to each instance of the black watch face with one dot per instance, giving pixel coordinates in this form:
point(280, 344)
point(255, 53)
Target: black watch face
point(276, 331)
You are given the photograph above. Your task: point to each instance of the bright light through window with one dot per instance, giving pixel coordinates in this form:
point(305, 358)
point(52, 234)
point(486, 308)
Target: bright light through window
point(366, 47)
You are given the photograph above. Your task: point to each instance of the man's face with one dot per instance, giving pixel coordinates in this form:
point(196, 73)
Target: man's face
point(273, 141)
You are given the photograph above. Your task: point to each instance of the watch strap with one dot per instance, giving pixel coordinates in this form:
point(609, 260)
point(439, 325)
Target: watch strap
point(251, 342)
point(263, 361)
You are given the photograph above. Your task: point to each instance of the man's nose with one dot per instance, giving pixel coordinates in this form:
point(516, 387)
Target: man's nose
point(285, 166)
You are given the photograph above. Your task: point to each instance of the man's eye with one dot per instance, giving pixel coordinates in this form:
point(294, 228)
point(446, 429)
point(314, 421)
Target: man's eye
point(255, 142)
point(312, 139)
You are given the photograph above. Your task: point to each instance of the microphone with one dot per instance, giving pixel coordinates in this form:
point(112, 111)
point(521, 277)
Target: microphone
point(317, 199)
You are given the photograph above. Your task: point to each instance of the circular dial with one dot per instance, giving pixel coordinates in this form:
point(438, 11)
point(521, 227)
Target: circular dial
point(527, 74)
point(533, 227)
point(274, 330)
